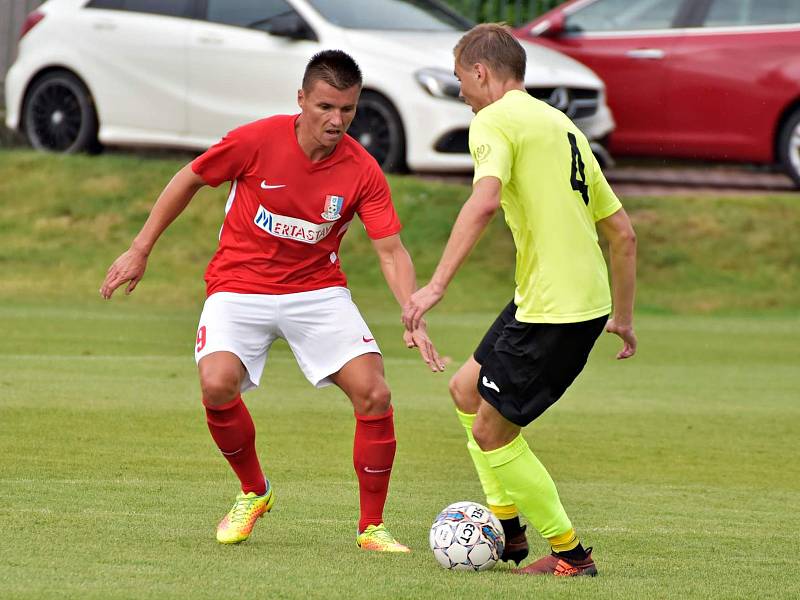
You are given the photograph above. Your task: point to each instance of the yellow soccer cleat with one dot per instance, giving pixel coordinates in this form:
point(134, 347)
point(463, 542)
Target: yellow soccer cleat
point(378, 539)
point(236, 526)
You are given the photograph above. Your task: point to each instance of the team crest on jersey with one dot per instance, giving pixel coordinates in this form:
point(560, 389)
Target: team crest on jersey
point(481, 153)
point(333, 207)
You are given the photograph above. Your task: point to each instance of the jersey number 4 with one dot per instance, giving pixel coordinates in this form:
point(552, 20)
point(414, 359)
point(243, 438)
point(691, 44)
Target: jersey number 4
point(578, 172)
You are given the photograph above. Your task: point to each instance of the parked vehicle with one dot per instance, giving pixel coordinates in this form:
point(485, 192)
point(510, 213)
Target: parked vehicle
point(184, 72)
point(707, 79)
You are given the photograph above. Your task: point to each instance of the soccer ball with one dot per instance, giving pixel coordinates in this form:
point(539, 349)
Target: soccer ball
point(466, 536)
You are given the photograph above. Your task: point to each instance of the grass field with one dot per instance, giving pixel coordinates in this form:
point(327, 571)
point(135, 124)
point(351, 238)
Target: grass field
point(680, 467)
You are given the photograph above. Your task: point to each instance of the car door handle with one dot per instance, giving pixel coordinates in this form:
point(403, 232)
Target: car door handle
point(210, 40)
point(104, 25)
point(646, 53)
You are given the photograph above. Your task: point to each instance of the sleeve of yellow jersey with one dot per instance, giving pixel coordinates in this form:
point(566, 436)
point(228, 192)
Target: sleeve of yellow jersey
point(604, 201)
point(490, 149)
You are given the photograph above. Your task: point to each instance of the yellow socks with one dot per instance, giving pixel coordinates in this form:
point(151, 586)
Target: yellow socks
point(564, 542)
point(497, 499)
point(529, 486)
point(513, 477)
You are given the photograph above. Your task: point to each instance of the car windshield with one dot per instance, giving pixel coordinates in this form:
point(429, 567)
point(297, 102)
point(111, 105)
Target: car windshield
point(415, 15)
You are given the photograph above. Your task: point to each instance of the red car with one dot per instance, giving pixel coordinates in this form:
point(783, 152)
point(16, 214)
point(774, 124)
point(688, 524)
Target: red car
point(705, 79)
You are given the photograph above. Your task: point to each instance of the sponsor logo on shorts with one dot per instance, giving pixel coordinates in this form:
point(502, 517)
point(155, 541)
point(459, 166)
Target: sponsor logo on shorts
point(290, 228)
point(490, 384)
point(333, 207)
point(367, 340)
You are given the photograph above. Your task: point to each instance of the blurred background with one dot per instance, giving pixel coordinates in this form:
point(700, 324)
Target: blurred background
point(682, 84)
point(675, 457)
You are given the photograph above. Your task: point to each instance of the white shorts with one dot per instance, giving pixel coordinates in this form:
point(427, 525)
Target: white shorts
point(323, 328)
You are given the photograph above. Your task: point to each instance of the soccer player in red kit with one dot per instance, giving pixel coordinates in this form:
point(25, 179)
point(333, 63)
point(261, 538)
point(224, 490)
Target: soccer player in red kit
point(297, 183)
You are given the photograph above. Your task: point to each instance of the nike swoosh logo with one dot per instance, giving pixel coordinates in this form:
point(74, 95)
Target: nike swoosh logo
point(367, 340)
point(369, 470)
point(266, 186)
point(490, 384)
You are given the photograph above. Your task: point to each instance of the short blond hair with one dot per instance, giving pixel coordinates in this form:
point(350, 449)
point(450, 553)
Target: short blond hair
point(493, 45)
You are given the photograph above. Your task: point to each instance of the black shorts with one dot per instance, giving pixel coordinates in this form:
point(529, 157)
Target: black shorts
point(526, 367)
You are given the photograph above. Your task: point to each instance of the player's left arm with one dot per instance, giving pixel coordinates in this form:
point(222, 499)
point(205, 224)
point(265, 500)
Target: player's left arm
point(398, 270)
point(470, 223)
point(618, 230)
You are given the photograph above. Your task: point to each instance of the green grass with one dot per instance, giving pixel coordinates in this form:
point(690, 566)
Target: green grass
point(64, 219)
point(680, 466)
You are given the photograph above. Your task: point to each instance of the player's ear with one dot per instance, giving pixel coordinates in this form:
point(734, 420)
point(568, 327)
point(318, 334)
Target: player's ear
point(301, 97)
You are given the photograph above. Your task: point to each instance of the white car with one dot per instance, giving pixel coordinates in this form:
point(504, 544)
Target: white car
point(182, 73)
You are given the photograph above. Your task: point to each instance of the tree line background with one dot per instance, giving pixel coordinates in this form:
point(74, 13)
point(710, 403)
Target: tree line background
point(513, 12)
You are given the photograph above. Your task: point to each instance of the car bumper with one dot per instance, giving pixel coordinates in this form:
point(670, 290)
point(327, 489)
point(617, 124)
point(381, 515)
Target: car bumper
point(14, 88)
point(429, 122)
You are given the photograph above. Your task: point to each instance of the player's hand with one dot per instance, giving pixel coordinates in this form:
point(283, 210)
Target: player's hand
point(419, 339)
point(421, 301)
point(129, 267)
point(628, 338)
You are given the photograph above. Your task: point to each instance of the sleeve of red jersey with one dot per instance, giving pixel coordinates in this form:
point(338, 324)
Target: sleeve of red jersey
point(375, 209)
point(226, 160)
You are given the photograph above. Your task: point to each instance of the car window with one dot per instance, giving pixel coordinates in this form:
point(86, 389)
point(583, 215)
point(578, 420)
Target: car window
point(624, 15)
point(415, 15)
point(726, 13)
point(115, 4)
point(246, 13)
point(173, 8)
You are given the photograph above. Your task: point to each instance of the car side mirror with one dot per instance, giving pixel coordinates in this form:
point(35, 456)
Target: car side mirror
point(553, 27)
point(292, 26)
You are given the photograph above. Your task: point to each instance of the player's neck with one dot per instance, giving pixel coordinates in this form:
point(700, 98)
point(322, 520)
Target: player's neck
point(498, 89)
point(311, 147)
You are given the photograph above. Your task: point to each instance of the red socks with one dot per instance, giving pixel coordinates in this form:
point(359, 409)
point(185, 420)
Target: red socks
point(373, 455)
point(232, 429)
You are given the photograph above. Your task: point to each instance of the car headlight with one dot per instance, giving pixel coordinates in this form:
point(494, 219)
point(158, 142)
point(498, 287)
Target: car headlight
point(439, 83)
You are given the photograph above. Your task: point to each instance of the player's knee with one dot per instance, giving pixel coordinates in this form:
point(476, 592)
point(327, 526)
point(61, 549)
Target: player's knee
point(218, 388)
point(455, 389)
point(464, 394)
point(375, 401)
point(485, 436)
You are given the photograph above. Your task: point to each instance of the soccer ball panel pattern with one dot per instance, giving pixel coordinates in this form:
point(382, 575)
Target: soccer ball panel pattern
point(466, 536)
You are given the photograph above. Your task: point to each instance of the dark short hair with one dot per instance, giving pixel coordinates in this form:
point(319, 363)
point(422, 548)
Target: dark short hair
point(495, 46)
point(334, 67)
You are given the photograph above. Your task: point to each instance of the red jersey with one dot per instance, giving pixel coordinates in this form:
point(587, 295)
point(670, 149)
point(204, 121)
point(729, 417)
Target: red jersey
point(286, 215)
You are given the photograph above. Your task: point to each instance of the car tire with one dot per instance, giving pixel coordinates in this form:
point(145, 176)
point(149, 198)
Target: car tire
point(378, 128)
point(59, 115)
point(789, 147)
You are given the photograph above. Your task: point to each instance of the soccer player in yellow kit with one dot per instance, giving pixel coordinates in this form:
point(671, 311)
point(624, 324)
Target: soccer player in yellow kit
point(532, 161)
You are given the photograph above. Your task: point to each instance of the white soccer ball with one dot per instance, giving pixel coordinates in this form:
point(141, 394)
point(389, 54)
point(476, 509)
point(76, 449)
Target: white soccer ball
point(467, 536)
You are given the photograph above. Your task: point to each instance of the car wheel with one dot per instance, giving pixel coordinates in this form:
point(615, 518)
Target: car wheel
point(378, 128)
point(59, 115)
point(789, 147)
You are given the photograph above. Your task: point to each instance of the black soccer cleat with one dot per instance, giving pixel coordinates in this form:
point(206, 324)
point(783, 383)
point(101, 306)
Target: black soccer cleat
point(516, 547)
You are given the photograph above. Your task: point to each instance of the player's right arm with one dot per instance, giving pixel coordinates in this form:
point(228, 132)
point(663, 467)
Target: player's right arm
point(617, 229)
point(131, 264)
point(473, 218)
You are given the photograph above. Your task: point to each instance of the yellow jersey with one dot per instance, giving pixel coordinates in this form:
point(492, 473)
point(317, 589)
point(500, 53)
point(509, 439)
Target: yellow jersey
point(553, 194)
